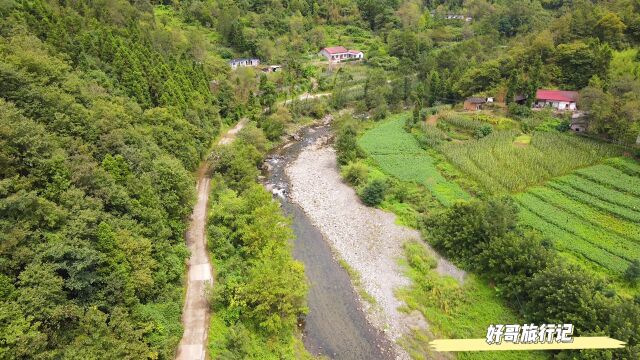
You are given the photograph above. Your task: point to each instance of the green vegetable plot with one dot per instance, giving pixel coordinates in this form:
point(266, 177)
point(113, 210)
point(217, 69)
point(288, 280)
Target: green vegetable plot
point(593, 214)
point(398, 154)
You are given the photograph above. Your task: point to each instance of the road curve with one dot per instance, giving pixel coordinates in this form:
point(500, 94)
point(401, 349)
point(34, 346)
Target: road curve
point(195, 313)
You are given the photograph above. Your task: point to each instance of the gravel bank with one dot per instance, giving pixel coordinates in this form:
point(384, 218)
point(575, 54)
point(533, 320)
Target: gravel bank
point(367, 239)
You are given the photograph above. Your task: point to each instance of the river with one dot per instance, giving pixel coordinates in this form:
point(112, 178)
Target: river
point(336, 325)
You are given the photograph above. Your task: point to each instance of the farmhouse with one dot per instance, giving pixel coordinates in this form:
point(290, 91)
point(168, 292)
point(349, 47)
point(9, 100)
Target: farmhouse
point(236, 63)
point(337, 54)
point(476, 103)
point(557, 99)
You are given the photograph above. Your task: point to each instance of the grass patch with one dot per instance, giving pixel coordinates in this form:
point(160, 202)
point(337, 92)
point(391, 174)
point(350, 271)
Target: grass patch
point(356, 280)
point(453, 310)
point(522, 140)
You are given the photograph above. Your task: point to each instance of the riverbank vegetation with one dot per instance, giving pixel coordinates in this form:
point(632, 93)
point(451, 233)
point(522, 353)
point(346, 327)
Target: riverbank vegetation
point(485, 237)
point(454, 310)
point(260, 291)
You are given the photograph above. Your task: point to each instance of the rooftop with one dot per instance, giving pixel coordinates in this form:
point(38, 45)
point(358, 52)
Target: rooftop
point(476, 100)
point(336, 50)
point(557, 95)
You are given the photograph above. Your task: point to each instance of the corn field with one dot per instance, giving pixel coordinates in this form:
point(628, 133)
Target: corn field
point(502, 167)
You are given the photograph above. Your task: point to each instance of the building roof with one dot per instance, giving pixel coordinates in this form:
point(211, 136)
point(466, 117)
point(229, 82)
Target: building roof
point(476, 100)
point(557, 95)
point(239, 60)
point(355, 52)
point(335, 50)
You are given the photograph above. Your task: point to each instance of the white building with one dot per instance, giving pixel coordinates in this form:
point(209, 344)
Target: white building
point(337, 54)
point(236, 63)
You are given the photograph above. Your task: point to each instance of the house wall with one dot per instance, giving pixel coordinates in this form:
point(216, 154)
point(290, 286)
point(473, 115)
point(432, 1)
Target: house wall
point(469, 106)
point(560, 105)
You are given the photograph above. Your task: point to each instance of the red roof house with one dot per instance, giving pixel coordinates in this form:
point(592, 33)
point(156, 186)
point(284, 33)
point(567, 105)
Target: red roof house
point(557, 99)
point(340, 53)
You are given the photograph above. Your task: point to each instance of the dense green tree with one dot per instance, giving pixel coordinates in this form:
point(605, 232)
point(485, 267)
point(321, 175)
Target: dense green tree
point(464, 230)
point(346, 145)
point(268, 95)
point(579, 61)
point(373, 193)
point(632, 274)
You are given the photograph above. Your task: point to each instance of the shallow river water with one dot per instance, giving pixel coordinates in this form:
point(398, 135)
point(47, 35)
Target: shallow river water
point(336, 326)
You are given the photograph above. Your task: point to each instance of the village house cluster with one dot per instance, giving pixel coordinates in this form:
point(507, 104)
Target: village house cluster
point(558, 100)
point(334, 54)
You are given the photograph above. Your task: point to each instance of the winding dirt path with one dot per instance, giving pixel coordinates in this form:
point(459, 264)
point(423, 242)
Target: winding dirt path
point(195, 314)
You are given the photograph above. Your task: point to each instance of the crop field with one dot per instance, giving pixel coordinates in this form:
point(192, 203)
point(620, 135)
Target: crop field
point(500, 166)
point(398, 154)
point(592, 214)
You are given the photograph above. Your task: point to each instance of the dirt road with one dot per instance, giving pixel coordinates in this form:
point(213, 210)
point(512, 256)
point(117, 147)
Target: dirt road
point(228, 137)
point(195, 314)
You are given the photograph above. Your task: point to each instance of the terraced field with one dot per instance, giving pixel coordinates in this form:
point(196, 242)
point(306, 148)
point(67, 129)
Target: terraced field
point(593, 213)
point(398, 154)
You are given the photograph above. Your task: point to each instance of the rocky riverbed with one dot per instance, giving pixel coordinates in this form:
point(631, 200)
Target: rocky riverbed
point(368, 239)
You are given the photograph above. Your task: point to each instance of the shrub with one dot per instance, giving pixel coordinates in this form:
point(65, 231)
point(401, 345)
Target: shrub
point(355, 173)
point(346, 145)
point(373, 193)
point(273, 127)
point(483, 131)
point(520, 111)
point(632, 274)
point(564, 125)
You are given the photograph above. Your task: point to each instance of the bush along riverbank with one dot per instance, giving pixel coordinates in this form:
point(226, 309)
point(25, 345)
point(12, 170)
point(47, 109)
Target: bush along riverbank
point(260, 290)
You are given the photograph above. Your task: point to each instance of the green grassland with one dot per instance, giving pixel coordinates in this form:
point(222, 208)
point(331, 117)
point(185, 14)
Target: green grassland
point(398, 154)
point(453, 310)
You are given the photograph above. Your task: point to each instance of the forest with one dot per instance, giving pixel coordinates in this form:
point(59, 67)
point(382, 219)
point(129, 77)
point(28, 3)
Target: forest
point(108, 108)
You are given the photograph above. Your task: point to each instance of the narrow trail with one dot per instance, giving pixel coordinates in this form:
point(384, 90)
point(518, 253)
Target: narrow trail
point(195, 314)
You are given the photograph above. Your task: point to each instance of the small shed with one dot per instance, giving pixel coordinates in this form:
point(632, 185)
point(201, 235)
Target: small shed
point(520, 99)
point(474, 103)
point(579, 122)
point(272, 68)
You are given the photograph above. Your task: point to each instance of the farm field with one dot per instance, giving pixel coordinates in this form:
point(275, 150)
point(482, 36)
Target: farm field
point(593, 214)
point(398, 154)
point(502, 163)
